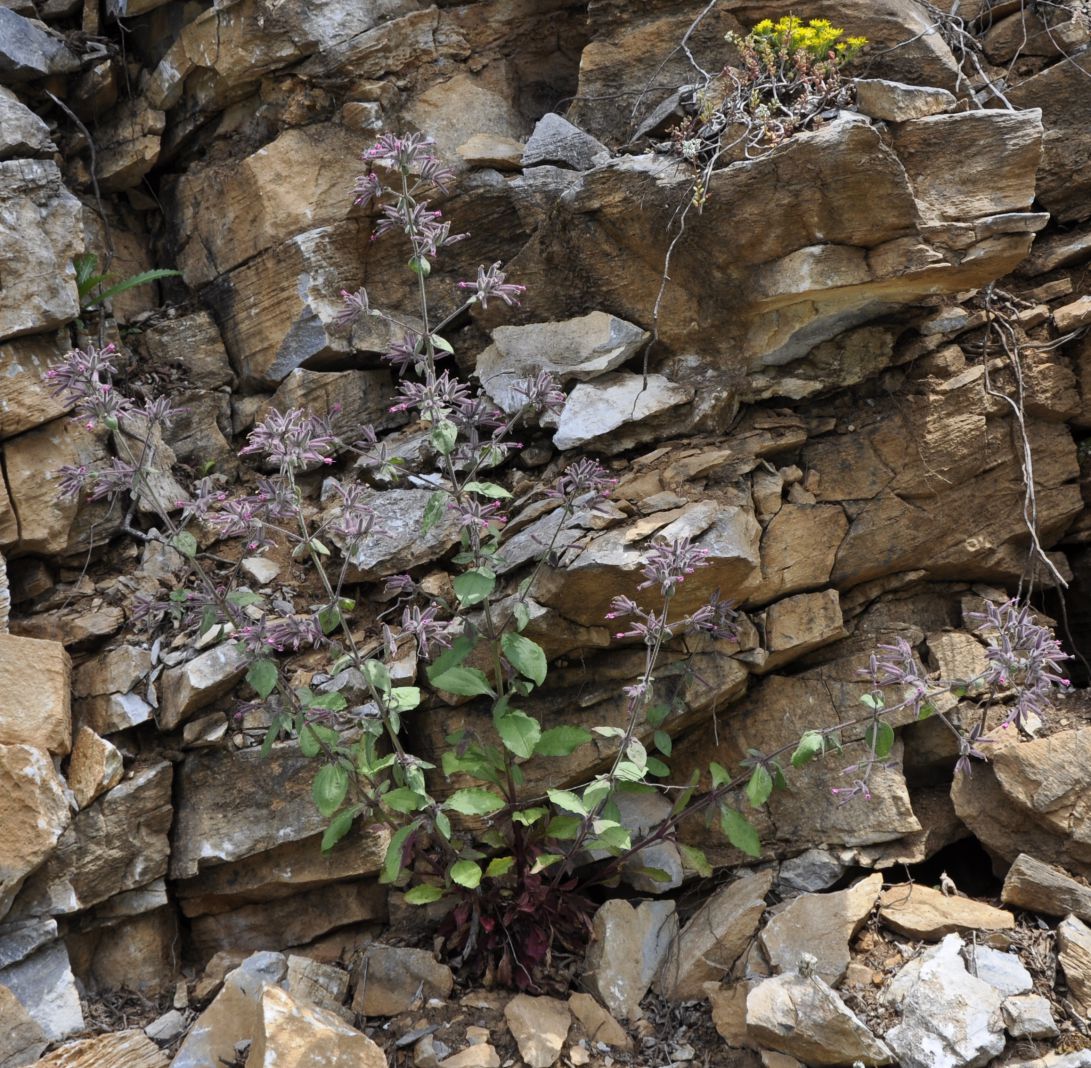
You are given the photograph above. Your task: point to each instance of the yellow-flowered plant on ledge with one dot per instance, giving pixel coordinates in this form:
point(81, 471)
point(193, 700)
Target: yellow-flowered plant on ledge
point(788, 78)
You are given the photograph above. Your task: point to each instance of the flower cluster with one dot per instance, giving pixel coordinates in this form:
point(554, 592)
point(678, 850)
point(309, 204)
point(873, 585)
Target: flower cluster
point(293, 439)
point(818, 38)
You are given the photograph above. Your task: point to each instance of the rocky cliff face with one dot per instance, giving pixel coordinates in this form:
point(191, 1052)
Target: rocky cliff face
point(818, 396)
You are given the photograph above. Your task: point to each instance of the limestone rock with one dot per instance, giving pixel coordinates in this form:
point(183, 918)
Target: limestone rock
point(284, 921)
point(1073, 316)
point(117, 843)
point(1008, 809)
point(576, 350)
point(921, 912)
point(234, 1015)
point(20, 938)
point(198, 682)
point(39, 234)
point(28, 50)
point(627, 951)
point(35, 695)
point(598, 1025)
point(822, 925)
point(21, 1037)
point(323, 985)
point(557, 142)
point(714, 937)
point(897, 102)
point(137, 952)
point(539, 1026)
point(33, 814)
point(26, 399)
point(811, 871)
point(1029, 1016)
point(95, 767)
point(728, 1005)
point(128, 144)
point(796, 625)
point(1044, 889)
point(117, 1049)
point(105, 690)
point(949, 1019)
point(389, 977)
point(492, 150)
point(24, 134)
point(1002, 971)
point(194, 342)
point(618, 411)
point(1074, 945)
point(232, 805)
point(44, 985)
point(293, 1034)
point(802, 1017)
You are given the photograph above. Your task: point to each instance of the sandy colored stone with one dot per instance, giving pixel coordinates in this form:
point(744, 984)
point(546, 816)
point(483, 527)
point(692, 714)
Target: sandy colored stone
point(1045, 889)
point(1074, 955)
point(714, 937)
point(35, 695)
point(729, 1011)
point(389, 978)
point(896, 102)
point(796, 625)
point(804, 1018)
point(492, 150)
point(95, 767)
point(118, 1049)
point(44, 985)
point(598, 1025)
point(539, 1026)
point(921, 912)
point(33, 814)
point(292, 1034)
point(822, 925)
point(26, 398)
point(1072, 316)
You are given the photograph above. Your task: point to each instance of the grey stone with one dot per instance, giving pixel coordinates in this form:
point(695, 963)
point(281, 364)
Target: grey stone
point(1029, 1016)
point(390, 979)
point(575, 350)
point(167, 1027)
point(44, 985)
point(28, 50)
point(20, 938)
point(1004, 972)
point(811, 871)
point(896, 102)
point(949, 1018)
point(21, 1037)
point(1043, 888)
point(618, 411)
point(198, 682)
point(627, 951)
point(556, 141)
point(22, 133)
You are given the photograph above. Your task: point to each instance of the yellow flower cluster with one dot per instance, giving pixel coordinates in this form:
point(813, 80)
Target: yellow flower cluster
point(816, 37)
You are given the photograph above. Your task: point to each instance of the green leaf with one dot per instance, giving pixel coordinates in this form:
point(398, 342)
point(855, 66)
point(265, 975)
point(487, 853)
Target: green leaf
point(339, 826)
point(880, 737)
point(546, 860)
point(519, 732)
point(872, 700)
point(135, 280)
point(487, 489)
point(433, 511)
point(185, 543)
point(329, 618)
point(443, 437)
point(377, 675)
point(528, 816)
point(657, 768)
point(313, 735)
point(561, 741)
point(527, 657)
point(760, 786)
point(423, 894)
point(464, 681)
point(461, 648)
point(695, 860)
point(614, 837)
point(567, 800)
point(663, 742)
point(404, 800)
point(657, 714)
point(443, 824)
point(262, 675)
point(499, 866)
point(472, 587)
point(475, 801)
point(522, 616)
point(926, 710)
point(392, 862)
point(811, 745)
point(442, 344)
point(627, 771)
point(740, 831)
point(404, 698)
point(719, 775)
point(331, 784)
point(243, 598)
point(466, 873)
point(564, 827)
